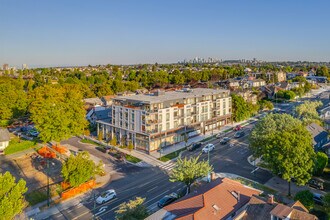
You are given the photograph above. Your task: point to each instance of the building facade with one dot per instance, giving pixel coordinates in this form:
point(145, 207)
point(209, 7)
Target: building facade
point(161, 119)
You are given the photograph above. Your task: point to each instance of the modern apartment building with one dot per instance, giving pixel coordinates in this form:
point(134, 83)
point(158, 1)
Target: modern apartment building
point(161, 119)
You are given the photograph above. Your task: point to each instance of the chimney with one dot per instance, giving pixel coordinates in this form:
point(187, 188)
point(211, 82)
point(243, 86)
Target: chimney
point(270, 199)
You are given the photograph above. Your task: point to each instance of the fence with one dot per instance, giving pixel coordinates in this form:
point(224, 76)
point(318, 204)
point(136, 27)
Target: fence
point(76, 190)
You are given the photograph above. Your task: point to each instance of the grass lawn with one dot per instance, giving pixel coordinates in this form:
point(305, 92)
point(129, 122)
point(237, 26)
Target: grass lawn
point(132, 159)
point(87, 141)
point(16, 146)
point(256, 185)
point(35, 197)
point(171, 156)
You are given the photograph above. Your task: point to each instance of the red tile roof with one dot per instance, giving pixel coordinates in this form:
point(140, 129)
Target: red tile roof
point(216, 200)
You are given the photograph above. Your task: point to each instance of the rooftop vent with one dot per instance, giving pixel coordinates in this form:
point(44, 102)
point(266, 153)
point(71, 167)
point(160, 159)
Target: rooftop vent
point(159, 93)
point(216, 208)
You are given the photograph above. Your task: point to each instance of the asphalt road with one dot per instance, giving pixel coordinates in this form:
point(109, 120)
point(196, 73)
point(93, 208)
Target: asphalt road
point(228, 159)
point(152, 183)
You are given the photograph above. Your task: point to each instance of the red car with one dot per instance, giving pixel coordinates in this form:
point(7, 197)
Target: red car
point(237, 128)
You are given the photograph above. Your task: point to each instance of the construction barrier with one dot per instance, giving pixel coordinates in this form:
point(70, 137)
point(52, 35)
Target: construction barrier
point(46, 152)
point(77, 190)
point(60, 149)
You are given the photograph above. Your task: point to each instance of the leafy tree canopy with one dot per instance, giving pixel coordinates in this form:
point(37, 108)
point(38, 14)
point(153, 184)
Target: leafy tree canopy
point(285, 145)
point(58, 112)
point(132, 210)
point(307, 112)
point(79, 169)
point(12, 200)
point(306, 198)
point(321, 162)
point(188, 170)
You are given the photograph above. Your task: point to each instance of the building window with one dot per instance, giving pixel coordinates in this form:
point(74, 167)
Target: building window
point(167, 125)
point(167, 116)
point(160, 127)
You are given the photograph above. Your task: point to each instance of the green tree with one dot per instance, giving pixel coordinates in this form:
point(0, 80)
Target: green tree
point(326, 200)
point(322, 71)
point(79, 169)
point(306, 198)
point(130, 146)
point(58, 112)
point(307, 112)
point(100, 135)
point(321, 162)
point(132, 210)
point(285, 146)
point(188, 170)
point(113, 141)
point(241, 109)
point(12, 200)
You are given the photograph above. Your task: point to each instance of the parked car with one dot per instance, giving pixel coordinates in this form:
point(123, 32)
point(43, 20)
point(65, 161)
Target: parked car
point(33, 133)
point(237, 128)
point(316, 183)
point(194, 146)
point(318, 199)
point(103, 149)
point(219, 135)
point(225, 140)
point(106, 196)
point(166, 200)
point(207, 148)
point(239, 134)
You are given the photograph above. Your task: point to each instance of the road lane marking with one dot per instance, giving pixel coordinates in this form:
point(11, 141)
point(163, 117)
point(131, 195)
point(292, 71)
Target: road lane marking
point(152, 188)
point(157, 196)
point(101, 210)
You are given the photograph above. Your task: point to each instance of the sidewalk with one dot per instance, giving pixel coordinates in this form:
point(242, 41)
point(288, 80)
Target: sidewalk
point(201, 137)
point(142, 156)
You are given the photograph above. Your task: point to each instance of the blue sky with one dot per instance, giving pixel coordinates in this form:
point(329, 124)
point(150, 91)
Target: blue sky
point(78, 32)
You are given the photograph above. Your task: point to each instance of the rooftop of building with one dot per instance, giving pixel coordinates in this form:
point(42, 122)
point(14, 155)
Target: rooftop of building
point(216, 200)
point(172, 95)
point(259, 208)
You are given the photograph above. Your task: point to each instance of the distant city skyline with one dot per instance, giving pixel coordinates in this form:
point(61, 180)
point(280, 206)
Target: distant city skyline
point(79, 33)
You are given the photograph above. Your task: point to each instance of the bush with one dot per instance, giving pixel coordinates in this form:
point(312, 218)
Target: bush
point(306, 198)
point(17, 146)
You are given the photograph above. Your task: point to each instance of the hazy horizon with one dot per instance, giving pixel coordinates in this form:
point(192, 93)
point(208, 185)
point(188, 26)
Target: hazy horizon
point(79, 33)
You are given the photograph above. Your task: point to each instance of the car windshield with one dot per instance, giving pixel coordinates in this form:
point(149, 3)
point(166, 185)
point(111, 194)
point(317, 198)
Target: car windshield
point(103, 195)
point(164, 200)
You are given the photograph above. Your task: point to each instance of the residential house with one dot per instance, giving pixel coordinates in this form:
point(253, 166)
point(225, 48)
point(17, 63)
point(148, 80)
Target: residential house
point(281, 76)
point(319, 135)
point(219, 199)
point(325, 116)
point(270, 90)
point(256, 83)
point(248, 96)
point(260, 208)
point(4, 139)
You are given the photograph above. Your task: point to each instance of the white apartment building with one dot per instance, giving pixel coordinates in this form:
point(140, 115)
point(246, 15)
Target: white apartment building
point(161, 119)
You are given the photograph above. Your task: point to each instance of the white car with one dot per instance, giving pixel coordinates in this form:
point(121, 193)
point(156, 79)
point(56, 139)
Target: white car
point(207, 148)
point(106, 196)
